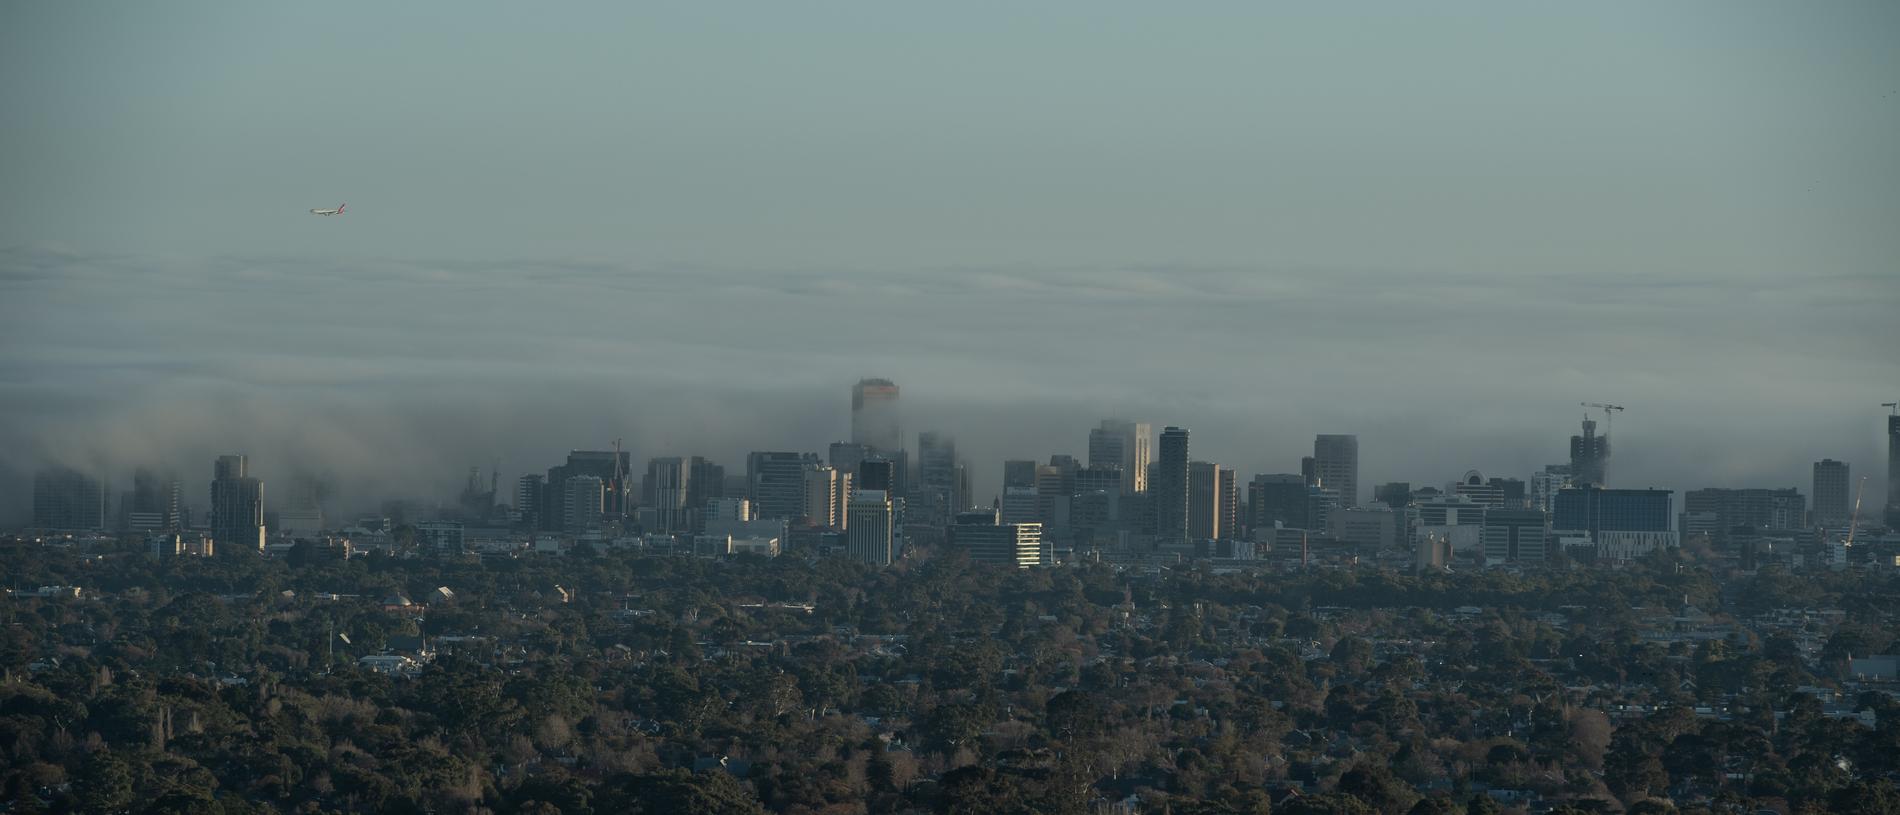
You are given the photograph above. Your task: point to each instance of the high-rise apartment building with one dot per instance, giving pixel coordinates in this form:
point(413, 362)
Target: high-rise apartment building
point(1394, 494)
point(874, 416)
point(528, 499)
point(1019, 473)
point(1831, 499)
point(827, 493)
point(1589, 456)
point(68, 500)
point(584, 502)
point(869, 538)
point(1336, 466)
point(1124, 445)
point(1170, 486)
point(614, 469)
point(775, 482)
point(665, 495)
point(237, 507)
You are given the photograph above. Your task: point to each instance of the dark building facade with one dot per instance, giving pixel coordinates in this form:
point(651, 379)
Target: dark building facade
point(1722, 511)
point(1277, 497)
point(1589, 456)
point(69, 500)
point(1594, 509)
point(1170, 485)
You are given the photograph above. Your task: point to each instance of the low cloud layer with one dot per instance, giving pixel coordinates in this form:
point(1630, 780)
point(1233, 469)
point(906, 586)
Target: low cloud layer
point(392, 377)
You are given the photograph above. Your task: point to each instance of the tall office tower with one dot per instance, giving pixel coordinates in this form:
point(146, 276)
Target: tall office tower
point(237, 507)
point(1320, 503)
point(1514, 536)
point(704, 482)
point(1589, 455)
point(156, 502)
point(585, 504)
point(1016, 546)
point(1595, 510)
point(1544, 486)
point(874, 416)
point(1723, 510)
point(1394, 494)
point(1474, 486)
point(876, 474)
point(1831, 500)
point(1277, 498)
point(528, 490)
point(1055, 483)
point(1019, 473)
point(1336, 464)
point(1096, 478)
point(302, 510)
point(666, 493)
point(869, 537)
point(826, 492)
point(1021, 505)
point(775, 481)
point(937, 497)
point(1203, 501)
point(67, 499)
point(845, 456)
point(1229, 504)
point(1893, 472)
point(1125, 445)
point(614, 471)
point(1170, 485)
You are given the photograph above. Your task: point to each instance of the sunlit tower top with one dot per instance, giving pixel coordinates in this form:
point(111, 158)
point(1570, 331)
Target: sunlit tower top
point(874, 416)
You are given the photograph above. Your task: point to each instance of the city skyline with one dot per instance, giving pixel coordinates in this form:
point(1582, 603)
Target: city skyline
point(643, 491)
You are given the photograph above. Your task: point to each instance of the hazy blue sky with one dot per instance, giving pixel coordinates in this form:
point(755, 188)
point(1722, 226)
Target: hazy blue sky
point(695, 225)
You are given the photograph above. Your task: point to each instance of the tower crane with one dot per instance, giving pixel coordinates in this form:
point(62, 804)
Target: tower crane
point(1609, 411)
point(1893, 408)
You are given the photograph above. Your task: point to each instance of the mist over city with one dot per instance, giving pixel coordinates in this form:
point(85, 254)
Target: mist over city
point(1085, 408)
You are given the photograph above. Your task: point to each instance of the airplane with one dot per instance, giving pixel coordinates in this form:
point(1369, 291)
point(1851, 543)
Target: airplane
point(337, 211)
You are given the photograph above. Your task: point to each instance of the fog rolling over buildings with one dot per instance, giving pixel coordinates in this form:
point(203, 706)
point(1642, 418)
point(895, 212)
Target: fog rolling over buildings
point(694, 230)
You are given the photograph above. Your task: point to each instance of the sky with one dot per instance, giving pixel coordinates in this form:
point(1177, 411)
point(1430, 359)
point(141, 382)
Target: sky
point(693, 226)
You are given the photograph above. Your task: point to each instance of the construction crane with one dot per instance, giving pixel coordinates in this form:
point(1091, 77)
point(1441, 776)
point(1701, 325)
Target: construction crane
point(1608, 412)
point(1854, 519)
point(1893, 408)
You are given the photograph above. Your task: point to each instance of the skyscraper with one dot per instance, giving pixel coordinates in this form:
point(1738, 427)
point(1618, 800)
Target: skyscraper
point(937, 496)
point(874, 416)
point(1893, 472)
point(1205, 500)
point(1831, 498)
point(613, 469)
point(585, 504)
point(1589, 455)
point(665, 494)
point(775, 482)
point(869, 536)
point(1277, 497)
point(1336, 465)
point(528, 499)
point(156, 502)
point(237, 507)
point(1170, 486)
point(1124, 445)
point(827, 493)
point(67, 499)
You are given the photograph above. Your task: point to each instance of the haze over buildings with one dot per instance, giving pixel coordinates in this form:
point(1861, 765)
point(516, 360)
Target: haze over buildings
point(1061, 235)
